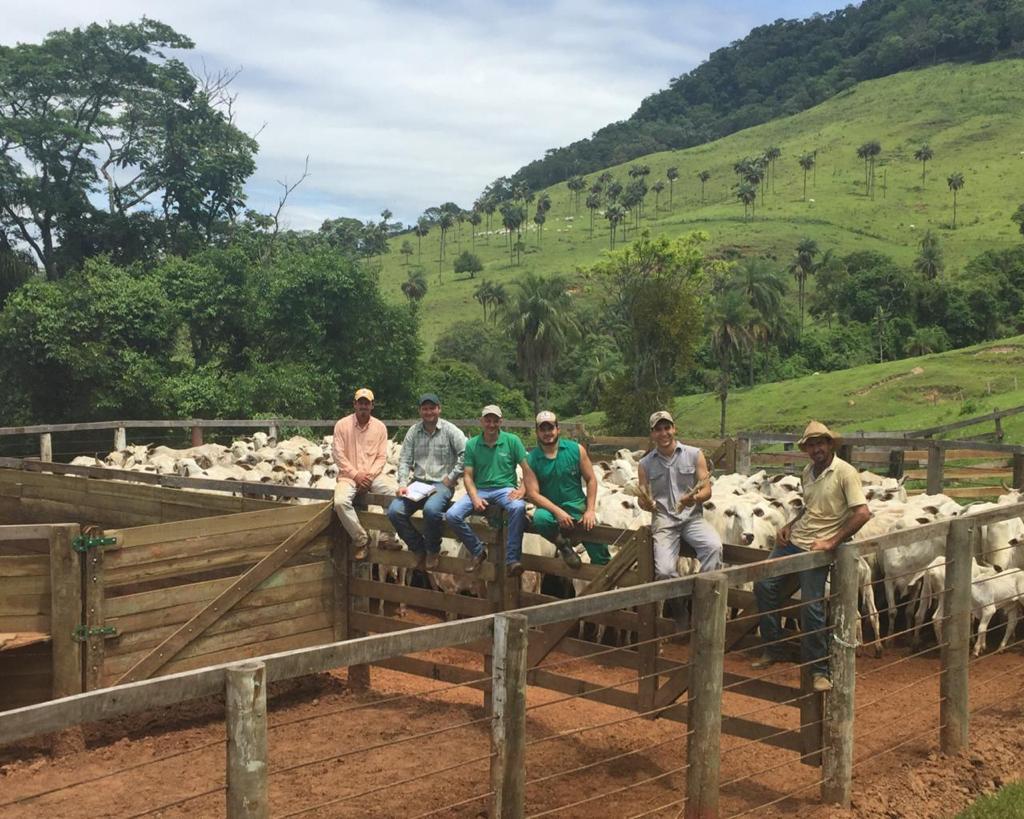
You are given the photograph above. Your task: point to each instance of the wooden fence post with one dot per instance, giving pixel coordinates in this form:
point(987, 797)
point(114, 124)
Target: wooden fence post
point(743, 456)
point(956, 633)
point(358, 675)
point(837, 761)
point(197, 436)
point(496, 590)
point(508, 730)
point(896, 461)
point(936, 456)
point(272, 431)
point(647, 686)
point(704, 702)
point(246, 705)
point(120, 439)
point(65, 620)
point(339, 580)
point(46, 448)
point(1018, 470)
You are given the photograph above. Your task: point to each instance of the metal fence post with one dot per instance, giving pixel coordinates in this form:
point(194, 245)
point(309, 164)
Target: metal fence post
point(837, 761)
point(246, 692)
point(704, 704)
point(508, 730)
point(953, 684)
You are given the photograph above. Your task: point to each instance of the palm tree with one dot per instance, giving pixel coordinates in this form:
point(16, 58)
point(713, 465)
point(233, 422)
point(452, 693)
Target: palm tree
point(802, 267)
point(593, 204)
point(657, 187)
point(672, 174)
point(415, 286)
point(806, 163)
point(474, 219)
point(764, 289)
point(445, 222)
point(499, 298)
point(772, 153)
point(575, 184)
point(929, 261)
point(406, 251)
point(422, 229)
point(1018, 218)
point(541, 322)
point(922, 155)
point(614, 213)
point(512, 217)
point(955, 181)
point(703, 176)
point(869, 152)
point(482, 293)
point(729, 338)
point(747, 194)
point(539, 219)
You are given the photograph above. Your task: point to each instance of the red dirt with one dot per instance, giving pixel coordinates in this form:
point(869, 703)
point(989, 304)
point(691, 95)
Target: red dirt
point(914, 780)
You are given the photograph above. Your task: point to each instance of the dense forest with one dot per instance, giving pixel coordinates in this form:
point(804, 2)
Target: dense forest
point(789, 66)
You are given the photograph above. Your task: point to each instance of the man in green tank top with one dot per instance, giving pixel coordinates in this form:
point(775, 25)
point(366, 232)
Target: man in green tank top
point(560, 468)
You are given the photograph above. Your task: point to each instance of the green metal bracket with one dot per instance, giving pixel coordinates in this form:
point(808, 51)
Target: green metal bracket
point(83, 633)
point(83, 543)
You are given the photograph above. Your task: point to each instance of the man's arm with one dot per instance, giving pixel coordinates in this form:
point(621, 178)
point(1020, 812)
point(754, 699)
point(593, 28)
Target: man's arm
point(701, 473)
point(587, 472)
point(404, 473)
point(533, 494)
point(457, 441)
point(338, 446)
point(519, 492)
point(646, 501)
point(479, 504)
point(859, 515)
point(379, 450)
point(782, 536)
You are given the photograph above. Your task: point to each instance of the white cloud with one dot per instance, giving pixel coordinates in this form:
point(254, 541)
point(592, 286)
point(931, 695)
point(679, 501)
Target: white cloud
point(404, 105)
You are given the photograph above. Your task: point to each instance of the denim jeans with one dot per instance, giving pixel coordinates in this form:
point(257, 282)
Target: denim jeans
point(814, 643)
point(516, 510)
point(433, 506)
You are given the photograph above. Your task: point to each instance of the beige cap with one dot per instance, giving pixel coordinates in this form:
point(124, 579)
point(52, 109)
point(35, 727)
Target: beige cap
point(816, 429)
point(661, 415)
point(365, 392)
point(491, 409)
point(546, 417)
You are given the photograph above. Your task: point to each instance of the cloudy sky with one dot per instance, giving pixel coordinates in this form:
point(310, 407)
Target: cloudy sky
point(404, 104)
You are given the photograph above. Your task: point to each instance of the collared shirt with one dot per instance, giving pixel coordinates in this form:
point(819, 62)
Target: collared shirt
point(559, 478)
point(431, 457)
point(494, 466)
point(828, 501)
point(359, 449)
point(669, 479)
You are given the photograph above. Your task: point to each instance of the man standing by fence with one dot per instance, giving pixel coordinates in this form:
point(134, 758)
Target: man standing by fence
point(674, 482)
point(360, 451)
point(490, 477)
point(558, 469)
point(432, 454)
point(834, 510)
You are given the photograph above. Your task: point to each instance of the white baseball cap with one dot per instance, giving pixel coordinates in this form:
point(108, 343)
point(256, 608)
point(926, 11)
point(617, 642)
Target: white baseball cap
point(491, 409)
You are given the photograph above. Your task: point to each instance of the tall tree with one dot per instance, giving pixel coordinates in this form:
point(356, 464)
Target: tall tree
point(703, 176)
point(482, 293)
point(538, 219)
point(474, 220)
point(575, 184)
point(406, 251)
point(102, 110)
point(922, 155)
point(593, 204)
point(445, 222)
point(929, 258)
point(763, 287)
point(415, 286)
point(729, 338)
point(672, 174)
point(657, 187)
point(806, 163)
point(614, 213)
point(955, 181)
point(747, 194)
point(772, 153)
point(422, 229)
point(542, 323)
point(803, 267)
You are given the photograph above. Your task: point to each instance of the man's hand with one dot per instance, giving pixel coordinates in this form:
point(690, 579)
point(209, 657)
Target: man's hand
point(564, 519)
point(403, 491)
point(479, 504)
point(589, 520)
point(644, 500)
point(446, 482)
point(363, 481)
point(782, 537)
point(825, 544)
point(686, 501)
point(518, 493)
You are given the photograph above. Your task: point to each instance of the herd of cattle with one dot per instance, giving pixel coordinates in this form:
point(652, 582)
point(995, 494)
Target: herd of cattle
point(745, 509)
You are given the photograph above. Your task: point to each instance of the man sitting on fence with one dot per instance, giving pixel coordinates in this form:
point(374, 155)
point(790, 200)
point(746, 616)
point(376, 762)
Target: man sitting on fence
point(490, 478)
point(674, 483)
point(360, 451)
point(834, 509)
point(432, 454)
point(558, 469)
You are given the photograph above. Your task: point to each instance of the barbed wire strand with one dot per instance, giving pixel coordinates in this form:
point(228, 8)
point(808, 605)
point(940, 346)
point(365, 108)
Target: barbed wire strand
point(589, 799)
point(606, 760)
point(936, 703)
point(875, 754)
point(591, 691)
point(782, 798)
point(762, 739)
point(126, 769)
point(177, 802)
point(884, 666)
point(792, 606)
point(774, 767)
point(574, 731)
point(459, 804)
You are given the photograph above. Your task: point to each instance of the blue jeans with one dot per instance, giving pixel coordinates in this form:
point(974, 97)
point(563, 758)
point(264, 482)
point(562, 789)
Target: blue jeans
point(433, 506)
point(516, 510)
point(814, 643)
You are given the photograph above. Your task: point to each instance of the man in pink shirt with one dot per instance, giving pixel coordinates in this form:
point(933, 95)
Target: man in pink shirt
point(360, 451)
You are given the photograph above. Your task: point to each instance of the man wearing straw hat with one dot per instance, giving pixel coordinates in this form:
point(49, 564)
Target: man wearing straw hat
point(834, 510)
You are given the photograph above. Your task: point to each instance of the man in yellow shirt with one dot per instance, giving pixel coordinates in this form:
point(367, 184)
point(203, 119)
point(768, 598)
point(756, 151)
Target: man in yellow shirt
point(834, 510)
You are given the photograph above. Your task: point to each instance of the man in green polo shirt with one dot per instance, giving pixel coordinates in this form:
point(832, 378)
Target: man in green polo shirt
point(558, 470)
point(490, 478)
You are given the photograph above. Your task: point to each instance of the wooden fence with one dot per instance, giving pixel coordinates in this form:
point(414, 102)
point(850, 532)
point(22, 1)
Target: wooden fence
point(178, 636)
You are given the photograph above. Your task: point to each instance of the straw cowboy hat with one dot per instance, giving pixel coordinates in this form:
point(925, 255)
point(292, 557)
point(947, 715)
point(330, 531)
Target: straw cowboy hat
point(816, 429)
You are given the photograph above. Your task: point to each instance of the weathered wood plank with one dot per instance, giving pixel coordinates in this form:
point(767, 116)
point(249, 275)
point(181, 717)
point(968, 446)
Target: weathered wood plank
point(65, 611)
point(25, 622)
point(25, 566)
point(32, 585)
point(448, 565)
point(421, 598)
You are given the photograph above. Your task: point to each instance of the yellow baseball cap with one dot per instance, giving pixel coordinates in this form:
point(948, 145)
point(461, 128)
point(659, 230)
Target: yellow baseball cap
point(365, 392)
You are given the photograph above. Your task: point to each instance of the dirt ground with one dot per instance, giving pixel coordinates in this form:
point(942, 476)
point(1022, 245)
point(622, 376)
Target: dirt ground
point(899, 772)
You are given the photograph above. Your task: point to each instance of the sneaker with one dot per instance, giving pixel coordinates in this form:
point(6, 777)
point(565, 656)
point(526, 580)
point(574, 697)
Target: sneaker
point(765, 661)
point(568, 554)
point(362, 551)
point(514, 569)
point(432, 561)
point(821, 683)
point(476, 561)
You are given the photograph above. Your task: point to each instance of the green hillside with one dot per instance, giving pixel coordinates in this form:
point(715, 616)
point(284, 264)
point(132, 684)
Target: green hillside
point(912, 393)
point(968, 115)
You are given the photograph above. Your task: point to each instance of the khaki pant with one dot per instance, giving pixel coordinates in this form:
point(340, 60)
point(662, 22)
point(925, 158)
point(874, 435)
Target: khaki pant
point(344, 495)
